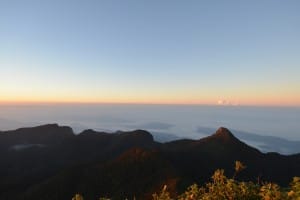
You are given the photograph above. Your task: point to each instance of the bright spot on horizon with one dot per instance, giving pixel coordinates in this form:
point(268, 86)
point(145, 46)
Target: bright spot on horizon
point(223, 102)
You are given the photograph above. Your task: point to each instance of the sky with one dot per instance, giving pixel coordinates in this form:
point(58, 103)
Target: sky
point(158, 51)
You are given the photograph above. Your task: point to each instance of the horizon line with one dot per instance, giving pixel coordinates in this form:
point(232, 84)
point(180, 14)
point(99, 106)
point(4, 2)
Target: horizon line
point(140, 103)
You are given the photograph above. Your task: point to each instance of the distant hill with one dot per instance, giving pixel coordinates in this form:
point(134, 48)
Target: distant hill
point(265, 143)
point(51, 162)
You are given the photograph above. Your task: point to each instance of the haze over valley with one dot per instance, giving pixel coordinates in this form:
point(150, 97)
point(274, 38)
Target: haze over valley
point(262, 127)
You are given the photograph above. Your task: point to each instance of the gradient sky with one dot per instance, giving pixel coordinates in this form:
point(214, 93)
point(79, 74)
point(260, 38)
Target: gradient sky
point(191, 52)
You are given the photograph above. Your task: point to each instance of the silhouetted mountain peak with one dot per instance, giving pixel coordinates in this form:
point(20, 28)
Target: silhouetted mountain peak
point(224, 134)
point(226, 140)
point(36, 162)
point(138, 135)
point(44, 134)
point(43, 129)
point(88, 132)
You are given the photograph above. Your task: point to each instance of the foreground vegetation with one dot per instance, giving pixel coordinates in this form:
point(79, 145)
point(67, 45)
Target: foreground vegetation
point(224, 188)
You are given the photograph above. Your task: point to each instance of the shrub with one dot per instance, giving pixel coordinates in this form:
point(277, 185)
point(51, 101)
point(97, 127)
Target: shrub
point(222, 188)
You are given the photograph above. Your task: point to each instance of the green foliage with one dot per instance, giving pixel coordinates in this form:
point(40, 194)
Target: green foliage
point(222, 188)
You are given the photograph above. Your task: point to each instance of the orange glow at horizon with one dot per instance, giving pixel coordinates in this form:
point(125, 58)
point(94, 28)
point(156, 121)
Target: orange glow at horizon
point(267, 95)
point(242, 101)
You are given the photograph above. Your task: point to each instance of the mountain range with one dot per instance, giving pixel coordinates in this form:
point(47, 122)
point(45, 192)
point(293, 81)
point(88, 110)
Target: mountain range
point(51, 162)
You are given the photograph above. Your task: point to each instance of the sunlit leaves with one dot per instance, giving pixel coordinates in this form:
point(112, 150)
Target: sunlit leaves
point(222, 188)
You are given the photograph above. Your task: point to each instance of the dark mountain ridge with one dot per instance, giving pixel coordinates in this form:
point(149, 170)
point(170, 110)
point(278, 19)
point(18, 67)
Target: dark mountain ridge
point(264, 143)
point(46, 134)
point(123, 164)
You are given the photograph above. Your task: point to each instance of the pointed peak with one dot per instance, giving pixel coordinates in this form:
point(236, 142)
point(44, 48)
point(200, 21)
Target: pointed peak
point(224, 133)
point(223, 130)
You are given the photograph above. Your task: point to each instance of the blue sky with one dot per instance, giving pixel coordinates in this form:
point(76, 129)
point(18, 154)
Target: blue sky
point(240, 52)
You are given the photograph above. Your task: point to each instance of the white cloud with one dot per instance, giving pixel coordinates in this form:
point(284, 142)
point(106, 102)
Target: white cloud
point(224, 102)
